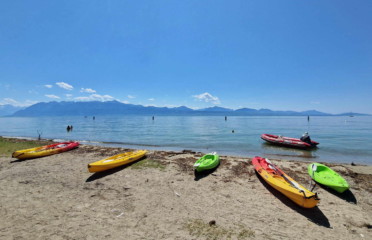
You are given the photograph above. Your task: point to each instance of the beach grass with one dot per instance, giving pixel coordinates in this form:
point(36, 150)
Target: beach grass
point(147, 163)
point(8, 146)
point(198, 228)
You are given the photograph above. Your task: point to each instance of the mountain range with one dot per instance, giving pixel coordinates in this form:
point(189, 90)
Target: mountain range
point(118, 108)
point(7, 109)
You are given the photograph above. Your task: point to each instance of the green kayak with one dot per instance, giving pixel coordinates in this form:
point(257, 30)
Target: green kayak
point(207, 162)
point(326, 176)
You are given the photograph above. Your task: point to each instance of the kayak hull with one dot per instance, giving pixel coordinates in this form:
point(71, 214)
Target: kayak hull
point(327, 177)
point(116, 161)
point(287, 141)
point(277, 179)
point(44, 151)
point(207, 162)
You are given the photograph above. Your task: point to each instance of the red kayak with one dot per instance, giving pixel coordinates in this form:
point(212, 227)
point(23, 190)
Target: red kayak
point(287, 141)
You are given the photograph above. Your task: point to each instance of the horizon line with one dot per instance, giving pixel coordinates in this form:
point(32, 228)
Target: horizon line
point(194, 109)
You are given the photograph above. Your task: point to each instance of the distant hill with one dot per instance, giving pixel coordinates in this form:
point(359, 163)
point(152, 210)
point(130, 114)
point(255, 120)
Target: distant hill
point(215, 109)
point(7, 109)
point(352, 114)
point(96, 108)
point(268, 112)
point(314, 113)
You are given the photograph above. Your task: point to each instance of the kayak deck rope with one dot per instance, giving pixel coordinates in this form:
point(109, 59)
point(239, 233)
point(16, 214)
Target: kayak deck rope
point(293, 184)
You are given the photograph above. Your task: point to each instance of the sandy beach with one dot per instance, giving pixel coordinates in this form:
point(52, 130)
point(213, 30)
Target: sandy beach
point(160, 197)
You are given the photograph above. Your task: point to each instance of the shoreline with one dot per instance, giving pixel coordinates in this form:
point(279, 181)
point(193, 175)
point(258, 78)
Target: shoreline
point(302, 158)
point(159, 197)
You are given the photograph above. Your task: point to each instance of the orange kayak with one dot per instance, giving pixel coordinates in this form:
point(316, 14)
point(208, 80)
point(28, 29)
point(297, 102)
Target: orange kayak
point(276, 178)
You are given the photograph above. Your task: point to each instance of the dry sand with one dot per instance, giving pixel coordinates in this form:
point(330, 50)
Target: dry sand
point(56, 197)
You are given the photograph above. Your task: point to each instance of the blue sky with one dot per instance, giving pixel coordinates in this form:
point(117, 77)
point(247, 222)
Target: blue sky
point(282, 55)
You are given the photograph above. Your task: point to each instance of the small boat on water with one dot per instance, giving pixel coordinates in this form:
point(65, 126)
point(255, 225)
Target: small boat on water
point(116, 161)
point(207, 162)
point(45, 150)
point(327, 177)
point(276, 178)
point(287, 141)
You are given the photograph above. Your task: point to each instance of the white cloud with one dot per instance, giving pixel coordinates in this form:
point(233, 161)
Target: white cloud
point(87, 90)
point(16, 103)
point(68, 95)
point(52, 96)
point(48, 86)
point(151, 99)
point(96, 97)
point(9, 101)
point(83, 99)
point(64, 85)
point(103, 97)
point(131, 97)
point(206, 97)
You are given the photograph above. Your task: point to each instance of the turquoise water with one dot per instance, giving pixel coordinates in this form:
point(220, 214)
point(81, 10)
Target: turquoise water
point(342, 139)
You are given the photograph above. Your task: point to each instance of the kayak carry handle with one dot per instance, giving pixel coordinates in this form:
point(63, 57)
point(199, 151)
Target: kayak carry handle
point(312, 196)
point(303, 192)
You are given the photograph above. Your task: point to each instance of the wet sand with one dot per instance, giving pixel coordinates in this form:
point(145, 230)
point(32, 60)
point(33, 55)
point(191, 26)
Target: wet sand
point(160, 197)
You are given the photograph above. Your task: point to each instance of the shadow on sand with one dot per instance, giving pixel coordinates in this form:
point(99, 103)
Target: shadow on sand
point(203, 174)
point(315, 215)
point(348, 195)
point(99, 175)
point(24, 160)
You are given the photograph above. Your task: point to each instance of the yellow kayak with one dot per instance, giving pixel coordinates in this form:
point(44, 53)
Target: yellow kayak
point(44, 150)
point(276, 178)
point(116, 161)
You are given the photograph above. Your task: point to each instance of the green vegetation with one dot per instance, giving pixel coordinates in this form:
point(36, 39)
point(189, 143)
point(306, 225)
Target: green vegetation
point(8, 146)
point(209, 231)
point(147, 163)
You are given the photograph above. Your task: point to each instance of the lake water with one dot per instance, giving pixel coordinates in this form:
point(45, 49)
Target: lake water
point(342, 139)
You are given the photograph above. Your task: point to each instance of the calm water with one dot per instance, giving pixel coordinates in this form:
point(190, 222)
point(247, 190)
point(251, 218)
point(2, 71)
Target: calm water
point(342, 139)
